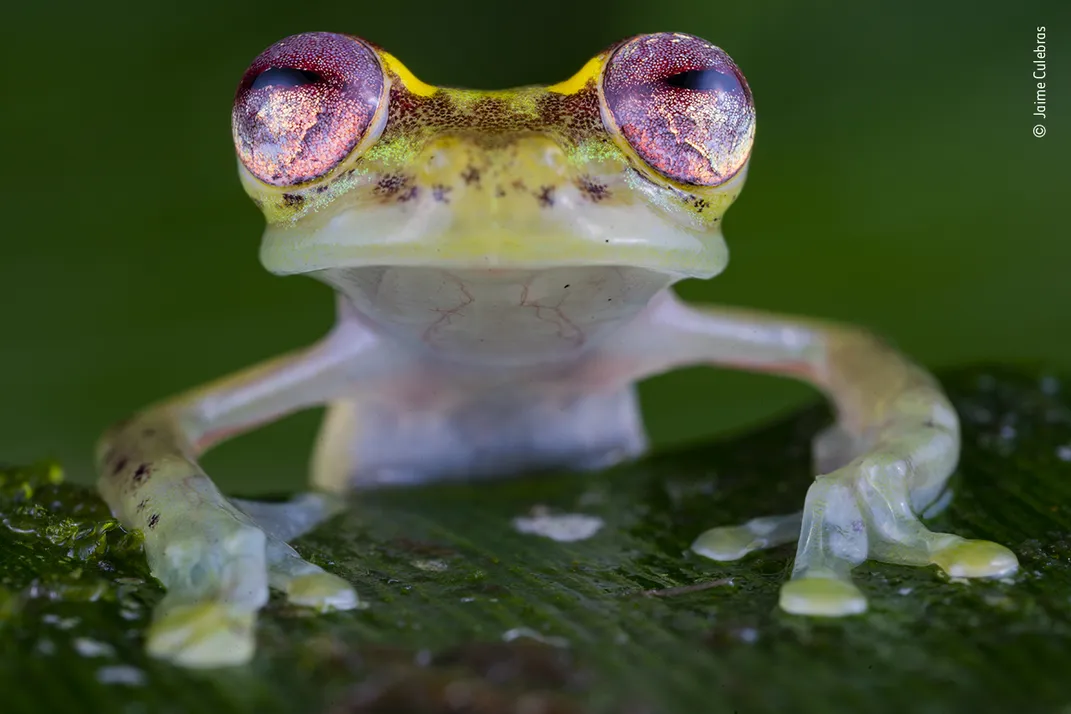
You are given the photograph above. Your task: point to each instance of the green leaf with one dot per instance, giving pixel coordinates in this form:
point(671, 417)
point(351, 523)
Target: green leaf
point(468, 614)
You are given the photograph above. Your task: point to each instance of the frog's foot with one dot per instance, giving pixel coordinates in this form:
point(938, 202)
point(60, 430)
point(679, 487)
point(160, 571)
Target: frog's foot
point(218, 563)
point(734, 542)
point(859, 512)
point(863, 511)
point(302, 582)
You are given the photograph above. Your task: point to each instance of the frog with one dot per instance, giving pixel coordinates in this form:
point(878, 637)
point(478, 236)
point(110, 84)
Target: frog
point(503, 264)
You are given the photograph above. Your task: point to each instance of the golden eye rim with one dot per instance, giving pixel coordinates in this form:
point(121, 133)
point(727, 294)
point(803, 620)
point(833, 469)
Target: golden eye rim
point(635, 158)
point(371, 134)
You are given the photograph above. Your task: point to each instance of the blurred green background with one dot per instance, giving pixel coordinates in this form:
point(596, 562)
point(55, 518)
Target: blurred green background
point(895, 183)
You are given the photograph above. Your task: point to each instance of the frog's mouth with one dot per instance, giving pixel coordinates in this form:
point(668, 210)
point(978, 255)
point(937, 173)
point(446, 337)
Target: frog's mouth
point(439, 235)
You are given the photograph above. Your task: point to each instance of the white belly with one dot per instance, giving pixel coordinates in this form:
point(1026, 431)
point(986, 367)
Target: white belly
point(378, 442)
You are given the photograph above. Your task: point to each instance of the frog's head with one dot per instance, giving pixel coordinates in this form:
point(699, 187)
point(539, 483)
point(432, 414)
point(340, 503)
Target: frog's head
point(356, 162)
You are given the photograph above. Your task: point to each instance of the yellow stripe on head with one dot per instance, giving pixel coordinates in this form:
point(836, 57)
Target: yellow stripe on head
point(408, 79)
point(578, 81)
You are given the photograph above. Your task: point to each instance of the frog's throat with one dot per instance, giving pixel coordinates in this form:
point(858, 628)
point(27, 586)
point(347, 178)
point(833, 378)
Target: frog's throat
point(641, 241)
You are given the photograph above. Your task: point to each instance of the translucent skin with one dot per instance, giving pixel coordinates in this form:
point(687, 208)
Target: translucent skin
point(503, 262)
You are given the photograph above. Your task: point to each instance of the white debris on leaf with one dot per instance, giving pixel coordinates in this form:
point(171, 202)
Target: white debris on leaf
point(92, 648)
point(562, 527)
point(528, 633)
point(121, 674)
point(63, 623)
point(434, 565)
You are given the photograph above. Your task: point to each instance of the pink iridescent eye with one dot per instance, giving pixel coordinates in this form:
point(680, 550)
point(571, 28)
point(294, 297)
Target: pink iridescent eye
point(303, 105)
point(682, 105)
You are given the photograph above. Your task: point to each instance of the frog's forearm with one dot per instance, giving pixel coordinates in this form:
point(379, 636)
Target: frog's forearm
point(872, 386)
point(895, 444)
point(143, 458)
point(215, 561)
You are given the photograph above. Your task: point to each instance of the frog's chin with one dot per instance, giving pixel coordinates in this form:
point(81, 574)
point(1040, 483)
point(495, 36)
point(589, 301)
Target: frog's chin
point(352, 239)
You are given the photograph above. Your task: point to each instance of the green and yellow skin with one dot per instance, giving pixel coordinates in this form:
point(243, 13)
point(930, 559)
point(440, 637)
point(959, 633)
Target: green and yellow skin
point(503, 263)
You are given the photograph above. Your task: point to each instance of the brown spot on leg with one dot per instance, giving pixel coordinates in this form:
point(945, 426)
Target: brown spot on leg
point(119, 465)
point(153, 520)
point(141, 506)
point(142, 472)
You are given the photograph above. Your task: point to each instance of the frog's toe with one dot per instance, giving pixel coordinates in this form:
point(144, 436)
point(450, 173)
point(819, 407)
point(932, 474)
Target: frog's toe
point(307, 584)
point(204, 634)
point(823, 597)
point(734, 542)
point(976, 559)
point(725, 543)
point(322, 591)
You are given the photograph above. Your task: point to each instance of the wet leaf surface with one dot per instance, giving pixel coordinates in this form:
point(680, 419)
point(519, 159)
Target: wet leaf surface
point(470, 615)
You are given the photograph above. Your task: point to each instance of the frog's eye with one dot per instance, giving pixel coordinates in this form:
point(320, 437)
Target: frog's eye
point(304, 104)
point(682, 105)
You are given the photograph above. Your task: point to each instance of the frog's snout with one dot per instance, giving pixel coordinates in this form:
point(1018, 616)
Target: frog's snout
point(494, 175)
point(483, 162)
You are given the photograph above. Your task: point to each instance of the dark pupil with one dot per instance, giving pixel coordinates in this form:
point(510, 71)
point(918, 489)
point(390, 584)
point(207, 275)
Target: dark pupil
point(285, 77)
point(702, 80)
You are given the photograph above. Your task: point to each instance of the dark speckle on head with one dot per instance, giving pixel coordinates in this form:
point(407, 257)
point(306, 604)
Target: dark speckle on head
point(408, 194)
point(700, 204)
point(440, 193)
point(594, 190)
point(471, 175)
point(291, 200)
point(153, 520)
point(546, 196)
point(500, 192)
point(390, 184)
point(119, 465)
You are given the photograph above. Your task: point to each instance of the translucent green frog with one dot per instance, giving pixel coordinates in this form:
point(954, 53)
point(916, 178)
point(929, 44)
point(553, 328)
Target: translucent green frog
point(503, 263)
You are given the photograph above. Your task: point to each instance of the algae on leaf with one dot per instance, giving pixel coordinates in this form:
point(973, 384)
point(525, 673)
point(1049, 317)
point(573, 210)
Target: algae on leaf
point(470, 614)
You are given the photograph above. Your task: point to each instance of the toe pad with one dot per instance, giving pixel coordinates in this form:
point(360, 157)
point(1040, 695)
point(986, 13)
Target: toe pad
point(824, 597)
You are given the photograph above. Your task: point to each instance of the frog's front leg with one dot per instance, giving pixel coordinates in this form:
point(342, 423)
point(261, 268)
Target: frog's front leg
point(894, 446)
point(217, 559)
